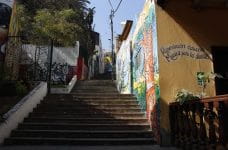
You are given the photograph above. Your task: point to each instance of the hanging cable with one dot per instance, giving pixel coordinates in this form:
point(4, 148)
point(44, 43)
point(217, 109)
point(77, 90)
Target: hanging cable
point(118, 6)
point(112, 14)
point(110, 3)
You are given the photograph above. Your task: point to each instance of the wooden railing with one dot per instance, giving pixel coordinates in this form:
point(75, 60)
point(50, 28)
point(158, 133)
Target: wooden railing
point(201, 124)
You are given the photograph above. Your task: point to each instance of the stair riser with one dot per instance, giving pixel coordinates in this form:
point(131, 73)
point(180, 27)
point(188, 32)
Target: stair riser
point(86, 96)
point(92, 111)
point(82, 127)
point(75, 142)
point(86, 115)
point(97, 83)
point(47, 134)
point(89, 98)
point(86, 106)
point(139, 121)
point(94, 86)
point(105, 94)
point(75, 91)
point(88, 102)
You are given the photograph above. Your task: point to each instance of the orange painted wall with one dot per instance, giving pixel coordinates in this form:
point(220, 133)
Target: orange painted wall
point(179, 24)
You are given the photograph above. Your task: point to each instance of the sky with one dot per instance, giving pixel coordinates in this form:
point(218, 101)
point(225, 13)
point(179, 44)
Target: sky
point(128, 10)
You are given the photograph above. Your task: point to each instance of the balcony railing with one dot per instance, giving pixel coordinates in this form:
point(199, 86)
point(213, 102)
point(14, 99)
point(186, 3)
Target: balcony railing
point(200, 124)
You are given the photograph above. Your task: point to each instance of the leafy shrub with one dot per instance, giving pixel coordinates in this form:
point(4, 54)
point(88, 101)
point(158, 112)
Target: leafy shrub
point(21, 89)
point(184, 95)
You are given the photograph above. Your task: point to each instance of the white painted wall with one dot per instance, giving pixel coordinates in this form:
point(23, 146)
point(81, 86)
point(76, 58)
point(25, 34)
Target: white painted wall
point(21, 110)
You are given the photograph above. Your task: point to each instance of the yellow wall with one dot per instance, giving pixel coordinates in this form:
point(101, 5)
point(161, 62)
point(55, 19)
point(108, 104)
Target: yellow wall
point(178, 23)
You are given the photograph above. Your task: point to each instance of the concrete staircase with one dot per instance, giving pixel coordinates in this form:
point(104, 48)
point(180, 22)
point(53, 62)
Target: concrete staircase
point(93, 114)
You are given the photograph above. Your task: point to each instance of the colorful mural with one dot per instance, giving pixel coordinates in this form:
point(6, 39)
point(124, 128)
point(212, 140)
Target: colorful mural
point(123, 69)
point(145, 65)
point(5, 14)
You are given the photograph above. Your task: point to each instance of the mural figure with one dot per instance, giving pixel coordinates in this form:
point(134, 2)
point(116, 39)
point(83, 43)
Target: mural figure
point(5, 14)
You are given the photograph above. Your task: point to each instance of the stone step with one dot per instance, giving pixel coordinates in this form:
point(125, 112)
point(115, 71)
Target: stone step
point(91, 95)
point(71, 126)
point(86, 106)
point(88, 115)
point(81, 134)
point(88, 120)
point(94, 113)
point(89, 110)
point(90, 102)
point(96, 83)
point(79, 141)
point(94, 91)
point(91, 87)
point(105, 94)
point(81, 98)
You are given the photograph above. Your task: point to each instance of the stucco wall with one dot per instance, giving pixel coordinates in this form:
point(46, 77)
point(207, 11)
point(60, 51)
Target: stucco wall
point(185, 37)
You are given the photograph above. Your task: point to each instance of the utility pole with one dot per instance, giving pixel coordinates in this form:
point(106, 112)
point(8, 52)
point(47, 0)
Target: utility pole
point(113, 11)
point(112, 42)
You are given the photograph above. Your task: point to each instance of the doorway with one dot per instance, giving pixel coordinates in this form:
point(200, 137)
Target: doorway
point(220, 61)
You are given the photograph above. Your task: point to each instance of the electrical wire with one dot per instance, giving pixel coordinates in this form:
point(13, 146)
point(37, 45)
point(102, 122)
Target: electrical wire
point(110, 3)
point(118, 6)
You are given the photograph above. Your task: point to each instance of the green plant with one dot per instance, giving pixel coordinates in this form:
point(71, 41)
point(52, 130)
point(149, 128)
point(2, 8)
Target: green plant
point(184, 95)
point(204, 78)
point(21, 89)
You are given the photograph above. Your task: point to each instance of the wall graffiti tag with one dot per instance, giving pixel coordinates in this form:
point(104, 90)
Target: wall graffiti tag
point(174, 52)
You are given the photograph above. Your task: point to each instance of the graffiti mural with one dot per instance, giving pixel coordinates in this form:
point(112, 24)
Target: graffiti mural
point(5, 14)
point(123, 68)
point(145, 65)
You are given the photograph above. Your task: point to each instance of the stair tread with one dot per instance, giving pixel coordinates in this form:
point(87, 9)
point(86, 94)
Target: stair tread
point(81, 139)
point(88, 118)
point(85, 124)
point(86, 131)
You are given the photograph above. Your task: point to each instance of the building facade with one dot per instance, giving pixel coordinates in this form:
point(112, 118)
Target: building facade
point(173, 42)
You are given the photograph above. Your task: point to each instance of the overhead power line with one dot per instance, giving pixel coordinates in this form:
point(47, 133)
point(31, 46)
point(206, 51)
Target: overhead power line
point(118, 6)
point(113, 11)
point(110, 3)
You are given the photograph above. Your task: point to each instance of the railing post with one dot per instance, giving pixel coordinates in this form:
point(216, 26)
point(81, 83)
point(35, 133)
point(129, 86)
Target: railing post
point(50, 66)
point(221, 118)
point(202, 128)
point(194, 130)
point(187, 127)
point(211, 117)
point(200, 125)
